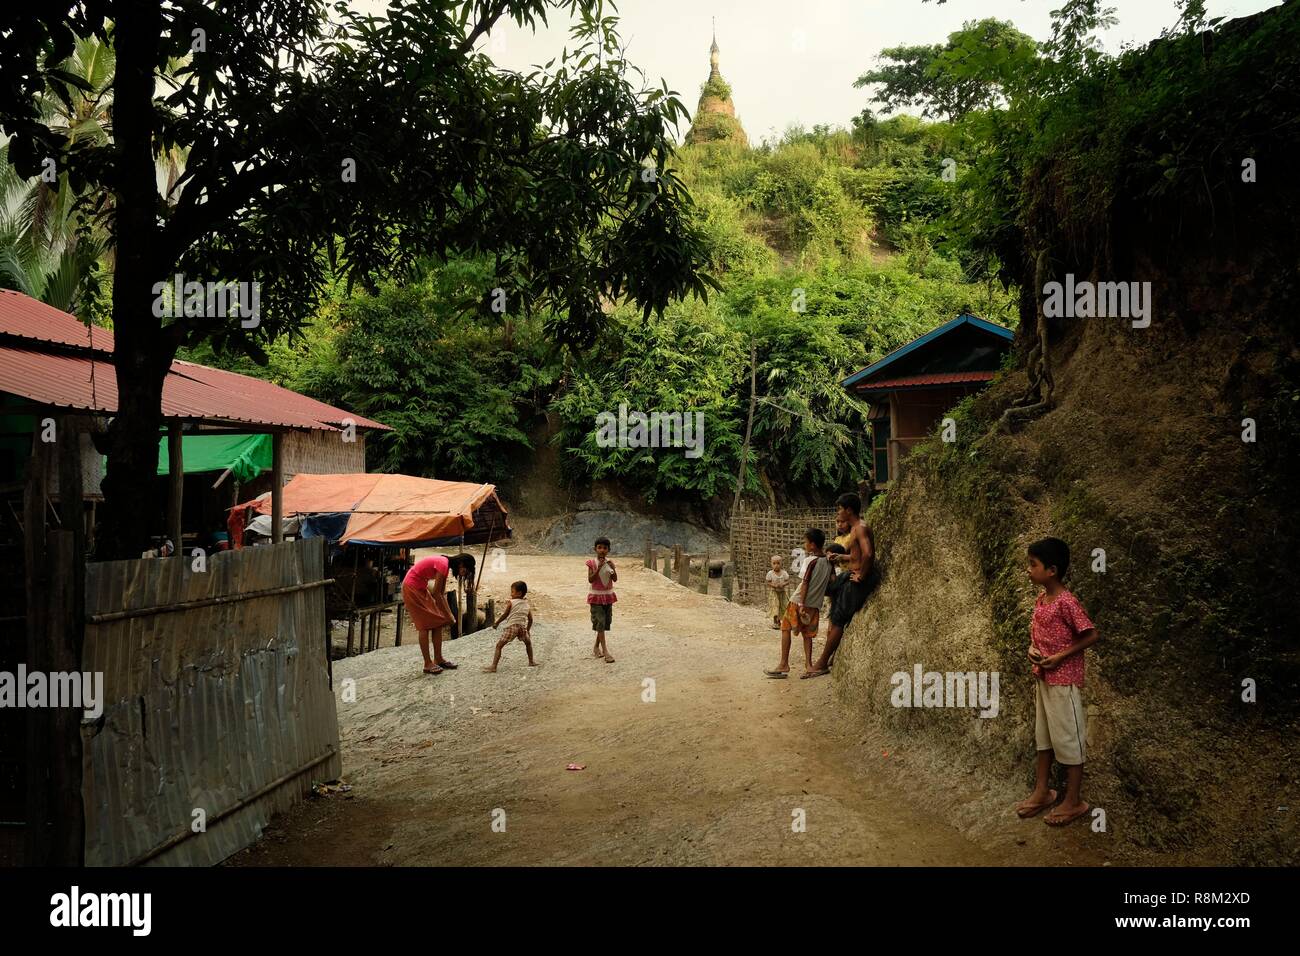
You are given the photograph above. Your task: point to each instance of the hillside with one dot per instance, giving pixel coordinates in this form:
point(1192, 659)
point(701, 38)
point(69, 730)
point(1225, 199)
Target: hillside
point(1139, 452)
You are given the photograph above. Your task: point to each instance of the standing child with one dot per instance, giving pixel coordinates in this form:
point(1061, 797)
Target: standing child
point(601, 576)
point(804, 610)
point(1061, 632)
point(777, 593)
point(518, 618)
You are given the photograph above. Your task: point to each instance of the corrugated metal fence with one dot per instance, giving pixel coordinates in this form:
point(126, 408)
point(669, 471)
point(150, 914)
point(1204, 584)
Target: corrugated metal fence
point(217, 699)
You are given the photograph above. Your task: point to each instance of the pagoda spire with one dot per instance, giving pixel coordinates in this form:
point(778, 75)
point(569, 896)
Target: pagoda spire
point(715, 117)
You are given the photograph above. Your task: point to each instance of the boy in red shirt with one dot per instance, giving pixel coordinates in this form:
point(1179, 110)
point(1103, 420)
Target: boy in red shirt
point(1061, 632)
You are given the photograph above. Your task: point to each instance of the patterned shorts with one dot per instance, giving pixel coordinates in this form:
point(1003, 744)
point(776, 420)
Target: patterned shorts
point(519, 631)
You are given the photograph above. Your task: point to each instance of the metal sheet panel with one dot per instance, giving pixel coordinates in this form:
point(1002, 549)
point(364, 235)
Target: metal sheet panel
point(213, 708)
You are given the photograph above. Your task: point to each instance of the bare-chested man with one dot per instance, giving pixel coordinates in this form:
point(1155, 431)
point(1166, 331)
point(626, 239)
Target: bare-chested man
point(861, 562)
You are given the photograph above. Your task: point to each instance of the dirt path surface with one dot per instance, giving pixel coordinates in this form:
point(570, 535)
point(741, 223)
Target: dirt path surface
point(712, 771)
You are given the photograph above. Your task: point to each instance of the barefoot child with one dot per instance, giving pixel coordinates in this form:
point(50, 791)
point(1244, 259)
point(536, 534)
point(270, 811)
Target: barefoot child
point(518, 618)
point(777, 594)
point(1061, 632)
point(601, 576)
point(804, 610)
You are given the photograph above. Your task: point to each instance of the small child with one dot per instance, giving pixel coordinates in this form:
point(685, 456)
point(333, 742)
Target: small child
point(518, 618)
point(777, 593)
point(601, 576)
point(804, 610)
point(840, 577)
point(1061, 632)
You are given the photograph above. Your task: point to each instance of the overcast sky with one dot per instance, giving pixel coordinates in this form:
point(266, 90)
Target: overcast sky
point(794, 61)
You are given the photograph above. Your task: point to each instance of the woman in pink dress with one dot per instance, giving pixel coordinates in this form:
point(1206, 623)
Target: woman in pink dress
point(428, 609)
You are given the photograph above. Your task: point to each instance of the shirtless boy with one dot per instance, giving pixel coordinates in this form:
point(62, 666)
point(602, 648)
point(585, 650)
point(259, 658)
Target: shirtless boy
point(863, 578)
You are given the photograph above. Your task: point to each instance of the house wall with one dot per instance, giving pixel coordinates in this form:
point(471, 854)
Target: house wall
point(323, 453)
point(914, 414)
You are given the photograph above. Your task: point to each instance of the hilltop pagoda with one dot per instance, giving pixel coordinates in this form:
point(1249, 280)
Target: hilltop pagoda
point(715, 118)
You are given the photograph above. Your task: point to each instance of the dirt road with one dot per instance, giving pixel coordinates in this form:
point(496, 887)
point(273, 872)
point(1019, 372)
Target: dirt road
point(691, 756)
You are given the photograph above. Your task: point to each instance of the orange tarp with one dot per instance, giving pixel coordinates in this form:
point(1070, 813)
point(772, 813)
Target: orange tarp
point(391, 509)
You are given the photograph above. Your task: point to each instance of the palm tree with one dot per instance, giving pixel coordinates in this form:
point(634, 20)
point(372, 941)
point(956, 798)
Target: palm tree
point(50, 248)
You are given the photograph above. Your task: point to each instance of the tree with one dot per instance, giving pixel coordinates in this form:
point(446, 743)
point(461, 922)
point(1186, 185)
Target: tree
point(48, 250)
point(967, 73)
point(350, 147)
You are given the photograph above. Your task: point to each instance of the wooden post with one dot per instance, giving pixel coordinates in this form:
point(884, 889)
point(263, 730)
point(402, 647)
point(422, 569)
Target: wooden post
point(490, 611)
point(176, 486)
point(471, 613)
point(704, 578)
point(668, 566)
point(37, 809)
point(66, 620)
point(749, 420)
point(649, 553)
point(277, 487)
point(683, 567)
point(728, 580)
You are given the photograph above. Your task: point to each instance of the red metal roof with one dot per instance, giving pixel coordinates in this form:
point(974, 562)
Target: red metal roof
point(927, 380)
point(89, 381)
point(263, 393)
point(25, 317)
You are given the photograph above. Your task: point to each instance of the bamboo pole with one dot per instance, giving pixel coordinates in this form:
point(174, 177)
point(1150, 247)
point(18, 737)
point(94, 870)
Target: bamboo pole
point(176, 485)
point(277, 487)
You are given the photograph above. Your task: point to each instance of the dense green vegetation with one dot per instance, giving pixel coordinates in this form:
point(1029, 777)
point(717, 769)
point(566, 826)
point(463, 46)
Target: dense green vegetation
point(831, 251)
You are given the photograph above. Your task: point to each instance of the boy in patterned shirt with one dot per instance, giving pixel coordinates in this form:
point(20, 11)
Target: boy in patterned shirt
point(1061, 632)
point(601, 575)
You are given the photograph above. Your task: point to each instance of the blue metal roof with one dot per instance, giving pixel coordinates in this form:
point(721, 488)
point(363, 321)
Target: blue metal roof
point(964, 319)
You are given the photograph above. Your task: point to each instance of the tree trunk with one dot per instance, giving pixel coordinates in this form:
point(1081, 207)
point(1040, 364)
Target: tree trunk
point(143, 350)
point(749, 421)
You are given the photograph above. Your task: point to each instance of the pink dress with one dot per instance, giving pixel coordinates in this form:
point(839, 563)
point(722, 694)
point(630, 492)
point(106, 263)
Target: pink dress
point(427, 613)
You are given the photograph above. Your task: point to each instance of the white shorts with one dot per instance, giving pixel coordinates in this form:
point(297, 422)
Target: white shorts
point(1059, 721)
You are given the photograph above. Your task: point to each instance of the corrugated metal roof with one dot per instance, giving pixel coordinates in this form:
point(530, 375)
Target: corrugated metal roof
point(67, 381)
point(927, 380)
point(261, 391)
point(25, 317)
point(89, 381)
point(963, 320)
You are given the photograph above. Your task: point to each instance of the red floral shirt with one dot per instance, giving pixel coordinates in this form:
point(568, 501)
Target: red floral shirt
point(1057, 625)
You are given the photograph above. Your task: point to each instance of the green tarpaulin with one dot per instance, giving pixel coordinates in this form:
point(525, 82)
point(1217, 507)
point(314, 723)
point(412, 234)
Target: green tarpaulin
point(245, 455)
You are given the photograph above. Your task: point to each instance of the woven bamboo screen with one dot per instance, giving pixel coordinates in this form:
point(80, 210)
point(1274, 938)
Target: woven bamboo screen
point(757, 535)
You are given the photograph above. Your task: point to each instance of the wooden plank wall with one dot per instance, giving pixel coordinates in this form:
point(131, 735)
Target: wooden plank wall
point(225, 707)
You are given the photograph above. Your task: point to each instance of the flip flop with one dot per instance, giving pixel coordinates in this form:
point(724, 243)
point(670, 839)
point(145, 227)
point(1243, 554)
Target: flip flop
point(821, 673)
point(448, 666)
point(436, 670)
point(1025, 813)
point(1063, 821)
point(777, 675)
